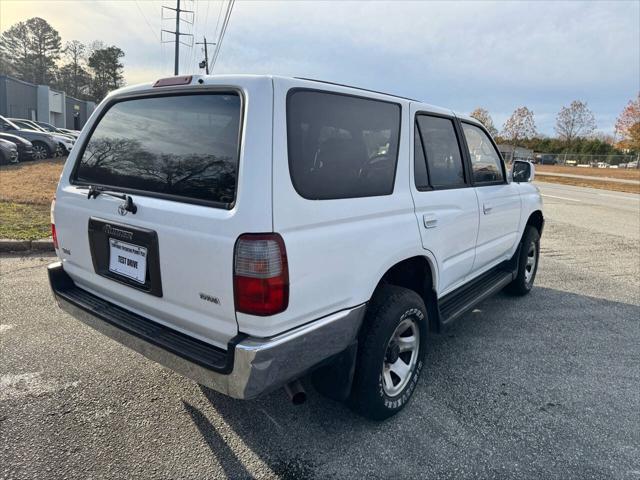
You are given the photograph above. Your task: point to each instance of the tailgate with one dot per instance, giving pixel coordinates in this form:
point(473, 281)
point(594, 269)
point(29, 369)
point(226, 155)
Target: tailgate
point(181, 159)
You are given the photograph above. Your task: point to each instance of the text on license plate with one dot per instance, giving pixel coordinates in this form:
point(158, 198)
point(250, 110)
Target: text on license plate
point(128, 260)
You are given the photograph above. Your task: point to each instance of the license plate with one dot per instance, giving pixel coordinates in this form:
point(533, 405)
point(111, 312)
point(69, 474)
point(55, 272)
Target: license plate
point(128, 260)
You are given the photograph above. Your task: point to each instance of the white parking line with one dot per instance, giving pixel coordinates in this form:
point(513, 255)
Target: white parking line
point(562, 198)
point(619, 197)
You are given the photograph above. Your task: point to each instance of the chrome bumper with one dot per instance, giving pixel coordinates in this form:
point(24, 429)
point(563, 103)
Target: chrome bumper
point(252, 366)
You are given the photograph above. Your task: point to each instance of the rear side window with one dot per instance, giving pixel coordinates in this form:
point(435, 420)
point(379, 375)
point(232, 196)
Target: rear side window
point(485, 161)
point(175, 146)
point(341, 146)
point(442, 150)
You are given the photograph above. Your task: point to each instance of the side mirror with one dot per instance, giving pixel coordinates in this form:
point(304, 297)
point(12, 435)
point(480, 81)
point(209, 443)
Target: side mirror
point(522, 172)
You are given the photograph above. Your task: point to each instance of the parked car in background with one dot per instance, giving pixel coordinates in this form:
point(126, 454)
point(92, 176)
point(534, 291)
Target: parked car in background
point(25, 147)
point(8, 152)
point(65, 141)
point(44, 144)
point(53, 129)
point(73, 133)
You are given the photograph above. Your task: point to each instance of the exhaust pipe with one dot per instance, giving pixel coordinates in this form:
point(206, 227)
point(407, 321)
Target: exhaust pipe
point(296, 392)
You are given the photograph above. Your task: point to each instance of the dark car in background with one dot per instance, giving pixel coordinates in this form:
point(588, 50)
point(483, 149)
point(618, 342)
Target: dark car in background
point(44, 145)
point(8, 152)
point(546, 159)
point(25, 147)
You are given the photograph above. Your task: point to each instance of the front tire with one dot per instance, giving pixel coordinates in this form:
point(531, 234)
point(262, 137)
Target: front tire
point(391, 351)
point(527, 263)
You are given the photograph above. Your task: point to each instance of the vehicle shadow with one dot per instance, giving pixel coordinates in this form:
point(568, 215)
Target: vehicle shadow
point(509, 390)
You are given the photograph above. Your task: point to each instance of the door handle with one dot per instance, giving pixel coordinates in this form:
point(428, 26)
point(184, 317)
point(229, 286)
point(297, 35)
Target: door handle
point(430, 220)
point(486, 208)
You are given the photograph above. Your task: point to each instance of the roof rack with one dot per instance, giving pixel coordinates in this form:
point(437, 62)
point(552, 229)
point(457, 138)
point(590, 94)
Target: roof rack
point(356, 88)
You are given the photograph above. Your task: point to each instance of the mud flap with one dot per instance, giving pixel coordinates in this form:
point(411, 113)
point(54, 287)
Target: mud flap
point(334, 379)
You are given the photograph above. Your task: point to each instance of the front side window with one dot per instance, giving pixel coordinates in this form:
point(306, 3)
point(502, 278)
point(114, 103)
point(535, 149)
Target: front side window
point(341, 146)
point(183, 145)
point(442, 150)
point(486, 165)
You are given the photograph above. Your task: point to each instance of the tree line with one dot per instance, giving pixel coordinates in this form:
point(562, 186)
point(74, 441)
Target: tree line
point(32, 51)
point(575, 130)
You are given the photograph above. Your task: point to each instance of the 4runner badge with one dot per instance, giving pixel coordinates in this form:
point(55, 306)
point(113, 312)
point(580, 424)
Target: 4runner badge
point(117, 232)
point(210, 298)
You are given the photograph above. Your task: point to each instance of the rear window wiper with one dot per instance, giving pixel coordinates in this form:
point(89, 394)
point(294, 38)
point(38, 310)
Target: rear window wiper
point(128, 205)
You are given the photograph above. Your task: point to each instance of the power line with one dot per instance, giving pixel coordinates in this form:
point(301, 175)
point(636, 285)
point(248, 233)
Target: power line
point(194, 29)
point(215, 32)
point(155, 34)
point(206, 16)
point(223, 30)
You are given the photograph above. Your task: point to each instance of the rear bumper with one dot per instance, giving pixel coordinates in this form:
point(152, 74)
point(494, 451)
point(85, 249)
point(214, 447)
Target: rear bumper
point(248, 368)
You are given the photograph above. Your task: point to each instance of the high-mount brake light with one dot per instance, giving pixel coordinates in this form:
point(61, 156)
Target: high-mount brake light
point(260, 274)
point(169, 81)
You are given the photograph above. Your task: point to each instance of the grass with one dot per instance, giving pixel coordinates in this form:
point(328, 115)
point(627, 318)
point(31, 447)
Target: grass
point(584, 182)
point(26, 191)
point(623, 173)
point(30, 182)
point(20, 221)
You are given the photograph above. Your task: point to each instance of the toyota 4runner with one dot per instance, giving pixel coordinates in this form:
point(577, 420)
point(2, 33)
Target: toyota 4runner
point(246, 231)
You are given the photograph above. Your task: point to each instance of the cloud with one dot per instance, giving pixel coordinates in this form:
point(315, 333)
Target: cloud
point(499, 55)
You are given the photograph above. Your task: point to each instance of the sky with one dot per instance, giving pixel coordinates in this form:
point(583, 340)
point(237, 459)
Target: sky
point(460, 55)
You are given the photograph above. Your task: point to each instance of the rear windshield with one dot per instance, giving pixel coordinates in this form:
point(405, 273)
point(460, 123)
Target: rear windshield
point(185, 146)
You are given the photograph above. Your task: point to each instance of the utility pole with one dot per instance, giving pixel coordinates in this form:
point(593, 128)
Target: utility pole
point(176, 60)
point(205, 64)
point(177, 33)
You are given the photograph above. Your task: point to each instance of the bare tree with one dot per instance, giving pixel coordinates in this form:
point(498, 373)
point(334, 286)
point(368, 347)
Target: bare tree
point(575, 121)
point(482, 115)
point(520, 126)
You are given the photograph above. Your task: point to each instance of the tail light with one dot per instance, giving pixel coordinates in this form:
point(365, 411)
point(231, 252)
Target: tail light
point(53, 225)
point(260, 274)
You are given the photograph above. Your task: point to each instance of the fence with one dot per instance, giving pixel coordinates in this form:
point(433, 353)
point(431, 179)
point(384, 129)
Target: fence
point(583, 160)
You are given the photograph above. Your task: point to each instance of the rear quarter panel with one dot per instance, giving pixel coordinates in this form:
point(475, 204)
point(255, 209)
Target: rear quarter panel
point(337, 250)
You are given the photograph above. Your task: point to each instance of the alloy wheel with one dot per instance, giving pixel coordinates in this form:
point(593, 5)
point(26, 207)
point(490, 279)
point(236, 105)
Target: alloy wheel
point(39, 152)
point(530, 266)
point(401, 357)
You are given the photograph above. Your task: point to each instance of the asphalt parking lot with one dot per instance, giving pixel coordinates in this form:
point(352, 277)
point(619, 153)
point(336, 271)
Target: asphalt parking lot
point(546, 386)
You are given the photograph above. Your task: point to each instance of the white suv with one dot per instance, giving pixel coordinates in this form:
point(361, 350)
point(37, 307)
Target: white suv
point(246, 231)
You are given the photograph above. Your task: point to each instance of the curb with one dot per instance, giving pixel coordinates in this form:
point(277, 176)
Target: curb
point(44, 245)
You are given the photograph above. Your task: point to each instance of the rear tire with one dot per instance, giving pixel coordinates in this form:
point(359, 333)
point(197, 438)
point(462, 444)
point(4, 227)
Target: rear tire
point(391, 351)
point(40, 151)
point(529, 256)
